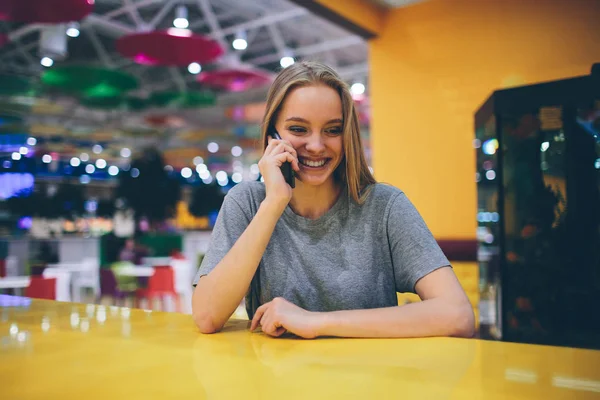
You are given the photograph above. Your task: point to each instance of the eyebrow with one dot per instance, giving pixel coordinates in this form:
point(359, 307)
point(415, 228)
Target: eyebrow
point(299, 119)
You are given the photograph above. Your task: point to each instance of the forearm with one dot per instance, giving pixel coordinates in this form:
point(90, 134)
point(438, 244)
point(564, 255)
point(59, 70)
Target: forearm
point(434, 317)
point(218, 294)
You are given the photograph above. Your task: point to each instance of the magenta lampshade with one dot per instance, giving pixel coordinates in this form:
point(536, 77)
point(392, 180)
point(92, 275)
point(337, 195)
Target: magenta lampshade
point(175, 47)
point(44, 11)
point(234, 80)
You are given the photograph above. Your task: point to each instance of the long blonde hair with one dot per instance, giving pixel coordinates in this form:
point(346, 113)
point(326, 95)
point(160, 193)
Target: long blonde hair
point(353, 171)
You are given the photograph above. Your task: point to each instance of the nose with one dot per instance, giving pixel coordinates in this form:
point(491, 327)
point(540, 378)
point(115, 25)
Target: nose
point(314, 143)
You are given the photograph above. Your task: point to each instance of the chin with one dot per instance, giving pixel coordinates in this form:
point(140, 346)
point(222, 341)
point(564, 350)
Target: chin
point(313, 181)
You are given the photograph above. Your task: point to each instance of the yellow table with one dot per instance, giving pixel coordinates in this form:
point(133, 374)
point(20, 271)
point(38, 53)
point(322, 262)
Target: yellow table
point(74, 351)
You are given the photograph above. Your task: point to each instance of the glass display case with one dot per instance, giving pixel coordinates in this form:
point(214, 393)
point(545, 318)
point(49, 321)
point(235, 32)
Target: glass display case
point(538, 185)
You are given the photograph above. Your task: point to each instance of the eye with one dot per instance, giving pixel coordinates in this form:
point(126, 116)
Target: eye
point(297, 129)
point(336, 130)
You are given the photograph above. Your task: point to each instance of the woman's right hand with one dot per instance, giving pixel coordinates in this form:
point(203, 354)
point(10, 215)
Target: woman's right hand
point(276, 153)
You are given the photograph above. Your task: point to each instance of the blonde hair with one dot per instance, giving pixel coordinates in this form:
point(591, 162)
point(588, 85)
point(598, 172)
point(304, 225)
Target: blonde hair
point(353, 171)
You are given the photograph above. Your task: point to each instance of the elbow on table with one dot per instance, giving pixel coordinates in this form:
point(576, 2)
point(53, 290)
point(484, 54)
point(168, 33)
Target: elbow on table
point(463, 321)
point(205, 323)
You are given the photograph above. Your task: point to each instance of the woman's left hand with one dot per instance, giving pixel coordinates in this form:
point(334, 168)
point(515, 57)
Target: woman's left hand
point(279, 316)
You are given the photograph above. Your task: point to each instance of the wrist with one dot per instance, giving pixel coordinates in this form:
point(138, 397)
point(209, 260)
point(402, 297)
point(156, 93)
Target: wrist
point(322, 321)
point(274, 205)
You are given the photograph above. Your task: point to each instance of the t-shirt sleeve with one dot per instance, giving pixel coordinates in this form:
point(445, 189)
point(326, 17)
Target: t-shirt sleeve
point(415, 252)
point(231, 223)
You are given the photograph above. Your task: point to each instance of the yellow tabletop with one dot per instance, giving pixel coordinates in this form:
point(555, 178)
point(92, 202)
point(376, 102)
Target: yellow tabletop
point(73, 351)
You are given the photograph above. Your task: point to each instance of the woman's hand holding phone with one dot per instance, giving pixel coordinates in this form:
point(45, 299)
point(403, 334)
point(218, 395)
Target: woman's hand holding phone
point(277, 153)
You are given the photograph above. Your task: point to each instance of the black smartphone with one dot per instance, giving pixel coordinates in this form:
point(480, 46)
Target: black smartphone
point(286, 168)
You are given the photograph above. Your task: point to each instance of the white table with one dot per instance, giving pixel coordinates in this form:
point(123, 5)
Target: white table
point(77, 269)
point(14, 282)
point(135, 271)
point(156, 261)
point(71, 267)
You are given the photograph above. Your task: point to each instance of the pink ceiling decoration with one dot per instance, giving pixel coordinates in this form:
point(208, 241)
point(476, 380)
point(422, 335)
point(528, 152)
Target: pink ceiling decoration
point(44, 11)
point(234, 80)
point(175, 47)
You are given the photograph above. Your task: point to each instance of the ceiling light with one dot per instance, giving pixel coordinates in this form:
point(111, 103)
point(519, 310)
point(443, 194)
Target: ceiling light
point(125, 152)
point(179, 32)
point(221, 175)
point(236, 177)
point(31, 141)
point(90, 169)
point(240, 44)
point(46, 158)
point(97, 149)
point(181, 18)
point(73, 30)
point(113, 170)
point(47, 62)
point(194, 68)
point(186, 172)
point(100, 163)
point(357, 88)
point(236, 151)
point(201, 167)
point(286, 61)
point(213, 147)
point(75, 162)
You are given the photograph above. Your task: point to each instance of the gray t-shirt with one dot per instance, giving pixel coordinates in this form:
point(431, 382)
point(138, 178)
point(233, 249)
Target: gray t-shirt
point(352, 257)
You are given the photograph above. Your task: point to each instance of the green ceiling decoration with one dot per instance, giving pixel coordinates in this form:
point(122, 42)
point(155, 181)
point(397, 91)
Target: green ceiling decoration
point(80, 79)
point(135, 103)
point(189, 99)
point(12, 85)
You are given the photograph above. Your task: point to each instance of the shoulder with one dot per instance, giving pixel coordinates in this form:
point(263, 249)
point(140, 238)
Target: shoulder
point(248, 195)
point(388, 202)
point(384, 191)
point(381, 195)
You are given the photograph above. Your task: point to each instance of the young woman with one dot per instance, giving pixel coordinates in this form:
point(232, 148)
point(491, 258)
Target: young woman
point(327, 257)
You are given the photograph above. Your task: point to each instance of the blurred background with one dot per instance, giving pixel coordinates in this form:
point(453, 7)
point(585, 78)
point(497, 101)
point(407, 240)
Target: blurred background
point(123, 124)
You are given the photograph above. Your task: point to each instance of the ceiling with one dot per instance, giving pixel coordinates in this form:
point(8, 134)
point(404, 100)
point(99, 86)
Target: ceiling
point(273, 28)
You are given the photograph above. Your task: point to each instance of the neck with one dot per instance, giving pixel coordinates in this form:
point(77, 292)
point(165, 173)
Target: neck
point(314, 201)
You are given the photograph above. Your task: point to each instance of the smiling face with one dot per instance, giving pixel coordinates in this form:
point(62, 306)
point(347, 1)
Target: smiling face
point(311, 120)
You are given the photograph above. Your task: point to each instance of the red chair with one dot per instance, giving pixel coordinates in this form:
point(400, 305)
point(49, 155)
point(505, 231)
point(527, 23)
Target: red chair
point(161, 284)
point(41, 288)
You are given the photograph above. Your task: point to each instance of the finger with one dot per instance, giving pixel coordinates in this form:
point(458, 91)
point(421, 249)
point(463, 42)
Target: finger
point(279, 148)
point(290, 148)
point(284, 157)
point(270, 146)
point(266, 322)
point(258, 316)
point(279, 331)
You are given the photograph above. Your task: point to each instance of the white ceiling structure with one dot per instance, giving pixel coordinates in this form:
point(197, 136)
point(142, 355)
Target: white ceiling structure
point(273, 28)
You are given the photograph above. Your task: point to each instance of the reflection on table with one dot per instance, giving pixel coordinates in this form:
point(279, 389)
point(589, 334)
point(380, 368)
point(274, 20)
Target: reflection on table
point(113, 352)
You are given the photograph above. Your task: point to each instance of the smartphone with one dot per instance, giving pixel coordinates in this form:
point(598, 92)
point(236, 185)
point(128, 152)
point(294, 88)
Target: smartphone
point(286, 168)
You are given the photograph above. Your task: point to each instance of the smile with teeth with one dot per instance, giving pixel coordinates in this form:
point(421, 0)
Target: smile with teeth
point(311, 163)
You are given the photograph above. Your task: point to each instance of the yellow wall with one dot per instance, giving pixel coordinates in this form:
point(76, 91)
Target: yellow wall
point(433, 65)
point(360, 12)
